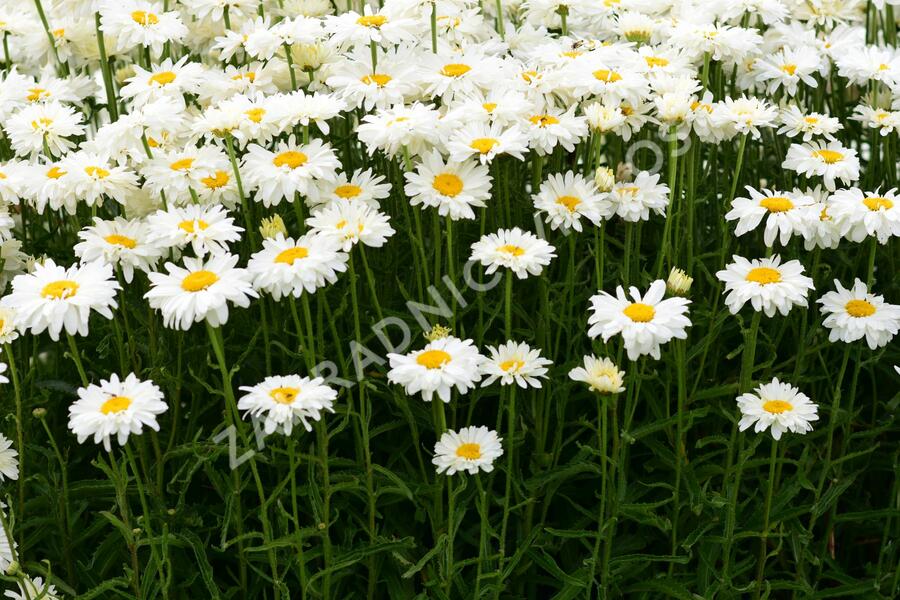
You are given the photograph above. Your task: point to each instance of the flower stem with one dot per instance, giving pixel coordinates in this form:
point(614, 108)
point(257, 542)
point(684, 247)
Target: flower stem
point(76, 358)
point(763, 539)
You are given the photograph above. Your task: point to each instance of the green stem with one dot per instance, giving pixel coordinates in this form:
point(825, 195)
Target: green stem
point(20, 440)
point(76, 358)
point(111, 105)
point(763, 539)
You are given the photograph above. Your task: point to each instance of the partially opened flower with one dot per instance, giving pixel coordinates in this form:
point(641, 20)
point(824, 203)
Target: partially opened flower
point(116, 409)
point(779, 407)
point(600, 374)
point(471, 449)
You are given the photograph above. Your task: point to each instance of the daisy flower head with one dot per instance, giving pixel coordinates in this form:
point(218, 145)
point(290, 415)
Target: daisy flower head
point(387, 27)
point(292, 169)
point(567, 198)
point(600, 374)
point(200, 291)
point(207, 229)
point(9, 330)
point(789, 67)
point(514, 362)
point(746, 115)
point(166, 80)
point(521, 252)
point(471, 449)
point(644, 321)
point(779, 407)
point(634, 200)
point(855, 313)
point(454, 188)
point(362, 186)
point(121, 243)
point(38, 124)
point(9, 464)
point(115, 409)
point(829, 160)
point(351, 224)
point(860, 214)
point(282, 402)
point(767, 284)
point(442, 365)
point(785, 213)
point(400, 128)
point(92, 177)
point(794, 122)
point(552, 128)
point(140, 23)
point(54, 298)
point(287, 267)
point(486, 142)
point(885, 121)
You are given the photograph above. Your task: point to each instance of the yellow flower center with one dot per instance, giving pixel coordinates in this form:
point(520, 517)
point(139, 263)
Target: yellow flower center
point(607, 76)
point(433, 359)
point(764, 275)
point(447, 184)
point(512, 365)
point(811, 120)
point(58, 33)
point(789, 69)
point(702, 106)
point(483, 145)
point(288, 256)
point(182, 165)
point(640, 312)
point(54, 173)
point(631, 190)
point(162, 78)
point(60, 290)
point(255, 114)
point(193, 226)
point(198, 281)
point(375, 21)
point(470, 451)
point(529, 76)
point(512, 250)
point(776, 204)
point(379, 79)
point(36, 93)
point(220, 179)
point(347, 191)
point(543, 120)
point(2, 175)
point(116, 404)
point(43, 122)
point(290, 158)
point(249, 76)
point(284, 395)
point(570, 202)
point(859, 308)
point(828, 156)
point(883, 67)
point(120, 240)
point(455, 70)
point(98, 172)
point(776, 407)
point(875, 203)
point(656, 61)
point(489, 106)
point(144, 18)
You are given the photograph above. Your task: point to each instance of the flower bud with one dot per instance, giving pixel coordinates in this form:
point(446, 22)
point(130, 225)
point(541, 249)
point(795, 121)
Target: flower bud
point(678, 282)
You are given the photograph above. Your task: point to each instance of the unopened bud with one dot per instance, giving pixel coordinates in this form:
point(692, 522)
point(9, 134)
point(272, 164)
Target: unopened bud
point(271, 227)
point(437, 332)
point(679, 283)
point(604, 179)
point(39, 413)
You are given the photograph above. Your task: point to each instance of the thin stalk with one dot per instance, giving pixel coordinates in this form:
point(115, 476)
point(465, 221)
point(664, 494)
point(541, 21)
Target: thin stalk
point(111, 105)
point(76, 358)
point(20, 440)
point(763, 538)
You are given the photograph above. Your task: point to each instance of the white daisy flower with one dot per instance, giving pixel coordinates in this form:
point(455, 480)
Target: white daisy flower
point(514, 362)
point(399, 129)
point(600, 374)
point(454, 188)
point(116, 409)
point(29, 588)
point(141, 23)
point(553, 128)
point(9, 464)
point(795, 122)
point(856, 313)
point(166, 80)
point(38, 124)
point(860, 214)
point(767, 284)
point(885, 121)
point(291, 169)
point(200, 291)
point(352, 223)
point(828, 160)
point(645, 322)
point(567, 198)
point(91, 177)
point(634, 200)
point(789, 67)
point(746, 115)
point(285, 401)
point(388, 26)
point(786, 214)
point(286, 267)
point(439, 367)
point(208, 229)
point(471, 449)
point(52, 297)
point(121, 243)
point(9, 331)
point(520, 251)
point(487, 141)
point(362, 186)
point(777, 406)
